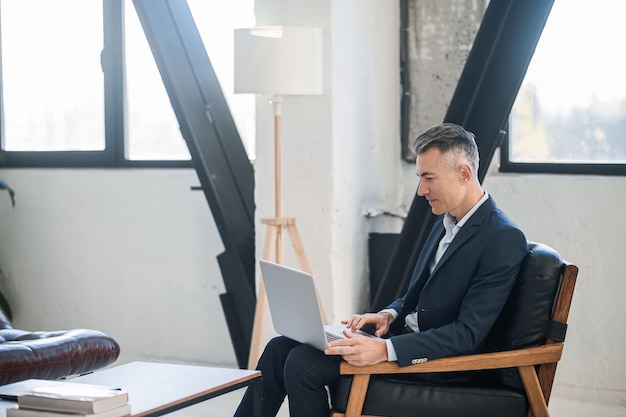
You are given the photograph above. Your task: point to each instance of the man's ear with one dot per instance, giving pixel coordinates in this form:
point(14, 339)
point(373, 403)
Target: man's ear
point(465, 173)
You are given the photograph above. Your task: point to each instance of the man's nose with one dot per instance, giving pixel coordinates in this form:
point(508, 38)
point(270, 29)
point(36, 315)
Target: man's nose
point(421, 189)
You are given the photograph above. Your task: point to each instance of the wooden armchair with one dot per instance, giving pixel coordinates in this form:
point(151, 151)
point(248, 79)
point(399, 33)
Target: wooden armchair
point(515, 376)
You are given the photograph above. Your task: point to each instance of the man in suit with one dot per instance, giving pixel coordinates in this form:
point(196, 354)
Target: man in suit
point(460, 283)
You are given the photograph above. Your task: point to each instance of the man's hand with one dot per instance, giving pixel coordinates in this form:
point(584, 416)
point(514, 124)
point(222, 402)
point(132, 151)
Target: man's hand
point(380, 321)
point(358, 350)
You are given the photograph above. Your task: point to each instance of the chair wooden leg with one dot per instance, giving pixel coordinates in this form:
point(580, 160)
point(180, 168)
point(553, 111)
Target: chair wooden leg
point(356, 399)
point(538, 405)
point(546, 379)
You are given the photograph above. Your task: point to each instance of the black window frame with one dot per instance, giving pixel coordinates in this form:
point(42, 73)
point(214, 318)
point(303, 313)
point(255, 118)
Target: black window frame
point(589, 168)
point(113, 154)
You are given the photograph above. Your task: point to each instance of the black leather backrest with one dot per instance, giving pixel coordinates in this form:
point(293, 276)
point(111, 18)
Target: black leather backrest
point(526, 313)
point(523, 321)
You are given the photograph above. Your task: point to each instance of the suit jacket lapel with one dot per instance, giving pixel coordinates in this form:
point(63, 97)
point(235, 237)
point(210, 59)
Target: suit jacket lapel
point(421, 271)
point(430, 247)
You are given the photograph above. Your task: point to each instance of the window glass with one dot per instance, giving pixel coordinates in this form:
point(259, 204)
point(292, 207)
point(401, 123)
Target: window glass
point(52, 81)
point(571, 107)
point(153, 132)
point(216, 21)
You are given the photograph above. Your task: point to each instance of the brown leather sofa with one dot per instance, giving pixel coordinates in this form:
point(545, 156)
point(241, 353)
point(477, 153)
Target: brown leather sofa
point(52, 354)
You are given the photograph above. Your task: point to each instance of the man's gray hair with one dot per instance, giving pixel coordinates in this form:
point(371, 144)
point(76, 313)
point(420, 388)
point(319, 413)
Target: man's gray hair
point(453, 140)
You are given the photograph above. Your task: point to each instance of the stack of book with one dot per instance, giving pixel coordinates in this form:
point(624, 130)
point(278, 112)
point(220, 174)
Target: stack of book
point(69, 399)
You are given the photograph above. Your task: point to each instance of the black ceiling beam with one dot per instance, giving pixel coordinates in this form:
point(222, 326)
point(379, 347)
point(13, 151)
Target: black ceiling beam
point(224, 170)
point(482, 101)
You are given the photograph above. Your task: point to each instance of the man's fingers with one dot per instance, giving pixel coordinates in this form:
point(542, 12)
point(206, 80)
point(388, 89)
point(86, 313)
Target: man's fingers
point(349, 335)
point(338, 347)
point(352, 321)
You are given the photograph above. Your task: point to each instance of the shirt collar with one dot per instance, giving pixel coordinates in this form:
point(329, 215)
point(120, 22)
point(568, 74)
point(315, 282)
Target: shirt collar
point(449, 220)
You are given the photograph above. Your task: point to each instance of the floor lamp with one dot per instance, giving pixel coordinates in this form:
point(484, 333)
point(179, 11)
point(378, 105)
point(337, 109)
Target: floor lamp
point(277, 61)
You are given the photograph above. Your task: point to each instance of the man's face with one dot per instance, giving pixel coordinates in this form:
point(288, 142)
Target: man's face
point(440, 184)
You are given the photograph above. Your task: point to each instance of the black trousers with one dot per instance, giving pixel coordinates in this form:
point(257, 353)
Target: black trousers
point(295, 370)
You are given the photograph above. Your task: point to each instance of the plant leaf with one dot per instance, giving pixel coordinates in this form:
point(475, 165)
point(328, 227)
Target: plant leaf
point(5, 186)
point(4, 306)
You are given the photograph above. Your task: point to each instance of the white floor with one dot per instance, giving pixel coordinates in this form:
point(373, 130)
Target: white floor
point(225, 406)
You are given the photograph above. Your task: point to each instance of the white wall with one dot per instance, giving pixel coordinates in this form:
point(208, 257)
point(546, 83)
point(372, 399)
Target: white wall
point(129, 252)
point(366, 125)
point(132, 252)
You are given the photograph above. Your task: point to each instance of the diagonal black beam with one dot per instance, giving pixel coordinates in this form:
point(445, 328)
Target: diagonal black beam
point(217, 152)
point(482, 101)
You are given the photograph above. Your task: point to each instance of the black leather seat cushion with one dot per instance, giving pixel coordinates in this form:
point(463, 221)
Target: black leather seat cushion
point(399, 398)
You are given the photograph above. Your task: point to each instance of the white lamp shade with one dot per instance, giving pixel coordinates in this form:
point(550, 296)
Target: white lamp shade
point(278, 60)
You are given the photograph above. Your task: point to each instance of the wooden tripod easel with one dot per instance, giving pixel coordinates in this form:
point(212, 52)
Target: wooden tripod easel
point(273, 249)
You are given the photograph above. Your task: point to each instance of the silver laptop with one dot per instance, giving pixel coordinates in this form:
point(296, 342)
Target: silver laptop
point(294, 306)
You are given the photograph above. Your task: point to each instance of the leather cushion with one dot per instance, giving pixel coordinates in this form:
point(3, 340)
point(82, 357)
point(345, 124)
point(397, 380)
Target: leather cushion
point(53, 355)
point(528, 309)
point(401, 398)
point(523, 321)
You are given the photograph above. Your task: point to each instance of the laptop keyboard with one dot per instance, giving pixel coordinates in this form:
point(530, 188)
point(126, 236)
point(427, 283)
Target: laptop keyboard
point(331, 336)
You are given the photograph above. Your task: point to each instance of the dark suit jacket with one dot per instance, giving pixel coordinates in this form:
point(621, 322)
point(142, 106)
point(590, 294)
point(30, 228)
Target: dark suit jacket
point(462, 298)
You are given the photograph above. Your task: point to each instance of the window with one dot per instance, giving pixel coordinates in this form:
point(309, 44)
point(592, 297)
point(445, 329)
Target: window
point(87, 92)
point(570, 112)
point(52, 92)
point(152, 132)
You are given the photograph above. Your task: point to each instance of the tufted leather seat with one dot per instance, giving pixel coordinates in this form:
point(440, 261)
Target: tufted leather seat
point(52, 354)
point(525, 322)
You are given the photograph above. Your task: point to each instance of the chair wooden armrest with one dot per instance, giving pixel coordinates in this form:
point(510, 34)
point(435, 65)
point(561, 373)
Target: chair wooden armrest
point(495, 360)
point(523, 359)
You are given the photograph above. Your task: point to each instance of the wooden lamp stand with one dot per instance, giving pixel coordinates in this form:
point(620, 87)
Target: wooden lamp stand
point(277, 60)
point(273, 249)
